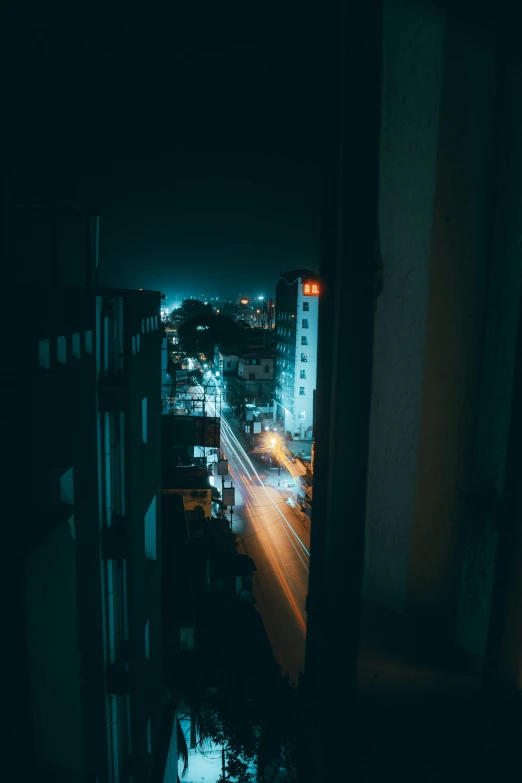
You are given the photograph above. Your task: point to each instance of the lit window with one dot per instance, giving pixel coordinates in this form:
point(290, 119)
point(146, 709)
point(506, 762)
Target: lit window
point(143, 325)
point(306, 306)
point(144, 420)
point(302, 414)
point(138, 342)
point(304, 340)
point(150, 531)
point(134, 345)
point(61, 350)
point(76, 348)
point(88, 341)
point(44, 354)
point(305, 323)
point(147, 639)
point(304, 357)
point(315, 289)
point(302, 374)
point(302, 390)
point(307, 288)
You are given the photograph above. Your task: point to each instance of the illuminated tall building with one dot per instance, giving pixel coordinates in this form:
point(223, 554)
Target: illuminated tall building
point(296, 321)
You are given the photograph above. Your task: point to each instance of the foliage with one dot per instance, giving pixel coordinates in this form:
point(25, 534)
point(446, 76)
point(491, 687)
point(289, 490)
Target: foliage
point(201, 334)
point(234, 690)
point(190, 308)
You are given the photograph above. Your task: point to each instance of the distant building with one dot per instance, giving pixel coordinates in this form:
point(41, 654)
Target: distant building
point(296, 319)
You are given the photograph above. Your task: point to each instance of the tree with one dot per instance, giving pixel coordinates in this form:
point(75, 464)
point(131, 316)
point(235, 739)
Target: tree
point(190, 308)
point(201, 334)
point(234, 691)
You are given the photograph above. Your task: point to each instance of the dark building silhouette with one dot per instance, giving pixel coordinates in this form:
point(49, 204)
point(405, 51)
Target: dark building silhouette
point(81, 483)
point(414, 638)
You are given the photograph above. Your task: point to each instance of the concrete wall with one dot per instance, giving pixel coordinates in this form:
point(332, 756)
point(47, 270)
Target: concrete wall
point(504, 281)
point(413, 59)
point(54, 658)
point(445, 322)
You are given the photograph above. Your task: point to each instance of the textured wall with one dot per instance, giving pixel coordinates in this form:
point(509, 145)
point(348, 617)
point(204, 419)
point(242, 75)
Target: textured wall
point(498, 357)
point(412, 76)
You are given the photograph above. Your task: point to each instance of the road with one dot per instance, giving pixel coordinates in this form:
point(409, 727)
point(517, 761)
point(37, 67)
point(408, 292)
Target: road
point(278, 540)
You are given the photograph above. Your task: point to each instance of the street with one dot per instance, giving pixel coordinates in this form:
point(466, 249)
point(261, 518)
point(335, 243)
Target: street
point(274, 535)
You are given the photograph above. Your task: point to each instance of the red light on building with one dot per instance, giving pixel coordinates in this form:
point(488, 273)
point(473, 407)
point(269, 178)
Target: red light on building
point(311, 289)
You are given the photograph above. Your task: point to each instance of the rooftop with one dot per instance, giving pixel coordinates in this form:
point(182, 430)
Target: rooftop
point(294, 274)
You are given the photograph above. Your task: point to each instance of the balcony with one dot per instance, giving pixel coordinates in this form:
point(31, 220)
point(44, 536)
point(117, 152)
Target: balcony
point(114, 540)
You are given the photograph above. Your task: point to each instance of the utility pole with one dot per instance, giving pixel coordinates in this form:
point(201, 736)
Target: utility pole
point(223, 762)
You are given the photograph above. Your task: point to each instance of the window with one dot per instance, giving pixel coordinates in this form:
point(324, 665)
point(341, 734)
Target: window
point(267, 368)
point(252, 376)
point(302, 414)
point(304, 357)
point(88, 341)
point(147, 639)
point(150, 531)
point(304, 323)
point(306, 306)
point(61, 350)
point(304, 340)
point(144, 420)
point(302, 391)
point(229, 364)
point(247, 361)
point(138, 342)
point(143, 325)
point(67, 487)
point(76, 347)
point(134, 345)
point(149, 737)
point(44, 354)
point(302, 374)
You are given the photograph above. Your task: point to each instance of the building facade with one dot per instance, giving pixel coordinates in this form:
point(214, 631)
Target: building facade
point(82, 389)
point(296, 325)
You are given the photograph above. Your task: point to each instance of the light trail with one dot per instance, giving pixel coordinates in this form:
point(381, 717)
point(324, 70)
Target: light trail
point(236, 450)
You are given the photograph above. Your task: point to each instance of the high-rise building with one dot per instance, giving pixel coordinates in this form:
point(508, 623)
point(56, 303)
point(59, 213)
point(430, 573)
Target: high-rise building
point(296, 321)
point(81, 490)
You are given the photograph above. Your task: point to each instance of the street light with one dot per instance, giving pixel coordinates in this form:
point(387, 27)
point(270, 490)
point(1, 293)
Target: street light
point(273, 441)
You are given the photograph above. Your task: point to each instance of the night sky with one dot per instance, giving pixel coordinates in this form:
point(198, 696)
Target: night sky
point(198, 134)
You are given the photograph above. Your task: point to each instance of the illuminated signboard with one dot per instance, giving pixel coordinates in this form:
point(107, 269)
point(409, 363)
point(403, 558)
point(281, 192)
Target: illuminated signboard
point(244, 301)
point(311, 289)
